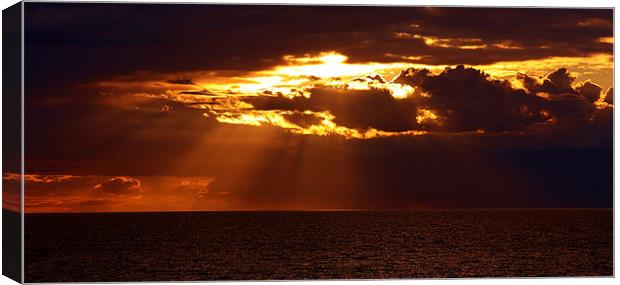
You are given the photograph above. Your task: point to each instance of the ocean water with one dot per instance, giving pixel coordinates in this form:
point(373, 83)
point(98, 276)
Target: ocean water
point(318, 245)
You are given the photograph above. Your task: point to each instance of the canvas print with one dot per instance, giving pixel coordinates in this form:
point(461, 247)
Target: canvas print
point(201, 142)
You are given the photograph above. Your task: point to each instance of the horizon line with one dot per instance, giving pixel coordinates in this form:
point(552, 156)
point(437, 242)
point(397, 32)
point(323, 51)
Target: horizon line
point(316, 210)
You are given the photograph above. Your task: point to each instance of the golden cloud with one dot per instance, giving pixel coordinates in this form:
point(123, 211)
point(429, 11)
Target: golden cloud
point(227, 98)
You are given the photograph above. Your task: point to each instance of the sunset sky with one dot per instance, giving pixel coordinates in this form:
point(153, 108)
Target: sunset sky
point(133, 107)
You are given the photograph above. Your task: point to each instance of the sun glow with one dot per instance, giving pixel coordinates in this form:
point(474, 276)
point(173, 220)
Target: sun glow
point(299, 74)
point(326, 65)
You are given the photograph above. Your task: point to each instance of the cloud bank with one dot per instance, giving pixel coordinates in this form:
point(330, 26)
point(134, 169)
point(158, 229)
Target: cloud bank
point(456, 100)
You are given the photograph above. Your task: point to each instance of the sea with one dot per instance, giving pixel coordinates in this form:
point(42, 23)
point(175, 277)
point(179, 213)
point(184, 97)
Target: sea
point(301, 245)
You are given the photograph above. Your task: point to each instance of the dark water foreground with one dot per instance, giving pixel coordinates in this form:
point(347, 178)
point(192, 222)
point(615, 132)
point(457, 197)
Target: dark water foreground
point(317, 245)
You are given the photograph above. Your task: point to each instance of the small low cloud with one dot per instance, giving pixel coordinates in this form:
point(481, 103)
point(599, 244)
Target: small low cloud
point(120, 185)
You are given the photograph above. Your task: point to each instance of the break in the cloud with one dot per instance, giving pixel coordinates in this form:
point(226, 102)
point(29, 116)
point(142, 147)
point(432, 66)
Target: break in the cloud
point(120, 185)
point(324, 95)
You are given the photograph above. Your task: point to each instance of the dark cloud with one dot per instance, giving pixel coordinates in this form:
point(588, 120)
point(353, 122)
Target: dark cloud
point(558, 82)
point(371, 78)
point(609, 96)
point(589, 90)
point(540, 33)
point(412, 76)
point(360, 109)
point(204, 92)
point(531, 84)
point(106, 39)
point(470, 100)
point(561, 81)
point(181, 81)
point(303, 120)
point(462, 99)
point(121, 185)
